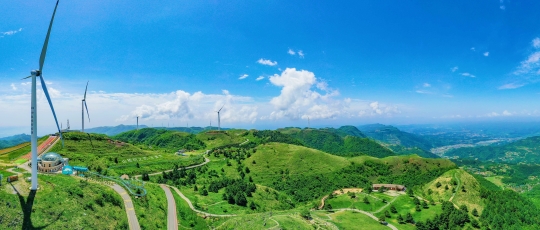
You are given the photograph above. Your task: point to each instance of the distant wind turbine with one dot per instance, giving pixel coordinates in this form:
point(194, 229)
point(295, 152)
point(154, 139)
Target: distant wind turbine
point(218, 119)
point(33, 108)
point(83, 106)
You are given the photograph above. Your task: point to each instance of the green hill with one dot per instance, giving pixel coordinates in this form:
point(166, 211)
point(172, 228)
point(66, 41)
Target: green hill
point(525, 150)
point(338, 142)
point(112, 157)
point(113, 130)
point(170, 141)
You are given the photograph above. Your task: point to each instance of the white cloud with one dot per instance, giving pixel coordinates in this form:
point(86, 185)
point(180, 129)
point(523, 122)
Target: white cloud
point(467, 75)
point(486, 54)
point(511, 85)
point(244, 76)
point(267, 62)
point(13, 87)
point(259, 78)
point(536, 43)
point(454, 69)
point(11, 32)
point(301, 53)
point(426, 85)
point(422, 92)
point(506, 113)
point(473, 49)
point(291, 52)
point(501, 5)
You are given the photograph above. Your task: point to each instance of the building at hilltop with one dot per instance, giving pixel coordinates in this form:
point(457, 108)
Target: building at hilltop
point(51, 162)
point(395, 187)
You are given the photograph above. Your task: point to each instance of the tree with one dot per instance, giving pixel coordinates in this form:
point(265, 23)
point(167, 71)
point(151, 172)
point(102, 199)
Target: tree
point(417, 208)
point(474, 223)
point(252, 206)
point(438, 184)
point(328, 206)
point(366, 200)
point(305, 214)
point(424, 205)
point(382, 189)
point(409, 218)
point(250, 179)
point(464, 208)
point(351, 194)
point(138, 166)
point(400, 219)
point(475, 212)
point(387, 214)
point(429, 191)
point(410, 192)
point(416, 201)
point(446, 187)
point(384, 201)
point(393, 209)
point(247, 170)
point(382, 218)
point(204, 192)
point(195, 188)
point(116, 160)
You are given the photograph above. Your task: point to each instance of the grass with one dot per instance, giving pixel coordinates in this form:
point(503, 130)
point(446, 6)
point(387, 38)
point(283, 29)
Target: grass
point(13, 155)
point(470, 198)
point(63, 202)
point(271, 159)
point(12, 148)
point(187, 218)
point(151, 209)
point(353, 220)
point(345, 201)
point(233, 136)
point(497, 180)
point(101, 154)
point(404, 204)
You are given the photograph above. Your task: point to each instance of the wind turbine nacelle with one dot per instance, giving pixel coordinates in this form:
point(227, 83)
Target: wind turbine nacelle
point(36, 72)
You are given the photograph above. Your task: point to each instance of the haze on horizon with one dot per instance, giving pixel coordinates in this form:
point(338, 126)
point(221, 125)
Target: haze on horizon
point(272, 64)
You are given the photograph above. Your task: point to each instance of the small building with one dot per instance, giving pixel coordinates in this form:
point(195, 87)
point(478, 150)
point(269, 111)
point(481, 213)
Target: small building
point(124, 177)
point(51, 162)
point(395, 187)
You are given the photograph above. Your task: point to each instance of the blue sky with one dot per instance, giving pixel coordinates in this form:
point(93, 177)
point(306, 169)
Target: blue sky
point(356, 62)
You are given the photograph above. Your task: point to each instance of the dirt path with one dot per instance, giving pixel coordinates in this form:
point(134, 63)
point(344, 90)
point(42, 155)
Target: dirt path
point(195, 210)
point(456, 190)
point(383, 207)
point(206, 161)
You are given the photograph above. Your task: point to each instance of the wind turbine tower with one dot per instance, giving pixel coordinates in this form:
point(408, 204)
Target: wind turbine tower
point(218, 119)
point(83, 106)
point(33, 106)
point(137, 122)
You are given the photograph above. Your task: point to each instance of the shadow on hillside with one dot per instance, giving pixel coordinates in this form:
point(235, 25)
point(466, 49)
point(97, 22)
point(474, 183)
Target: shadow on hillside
point(27, 207)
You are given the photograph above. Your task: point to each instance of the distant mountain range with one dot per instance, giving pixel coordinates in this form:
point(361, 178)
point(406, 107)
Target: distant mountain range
point(7, 142)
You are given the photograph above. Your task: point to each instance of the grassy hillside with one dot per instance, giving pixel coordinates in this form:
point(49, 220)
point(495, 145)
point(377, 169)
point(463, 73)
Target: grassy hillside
point(115, 158)
point(62, 202)
point(337, 142)
point(465, 186)
point(14, 153)
point(169, 141)
point(392, 135)
point(525, 150)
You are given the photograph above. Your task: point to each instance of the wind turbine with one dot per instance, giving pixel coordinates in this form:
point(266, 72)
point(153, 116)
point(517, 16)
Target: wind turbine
point(83, 106)
point(33, 106)
point(218, 118)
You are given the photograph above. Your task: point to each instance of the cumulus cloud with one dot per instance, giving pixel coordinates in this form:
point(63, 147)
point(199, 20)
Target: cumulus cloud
point(473, 49)
point(291, 52)
point(486, 54)
point(13, 87)
point(259, 78)
point(426, 85)
point(267, 62)
point(454, 69)
point(243, 76)
point(467, 75)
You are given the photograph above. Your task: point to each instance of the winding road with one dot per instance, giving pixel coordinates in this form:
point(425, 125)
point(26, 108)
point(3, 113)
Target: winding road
point(128, 205)
point(172, 221)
